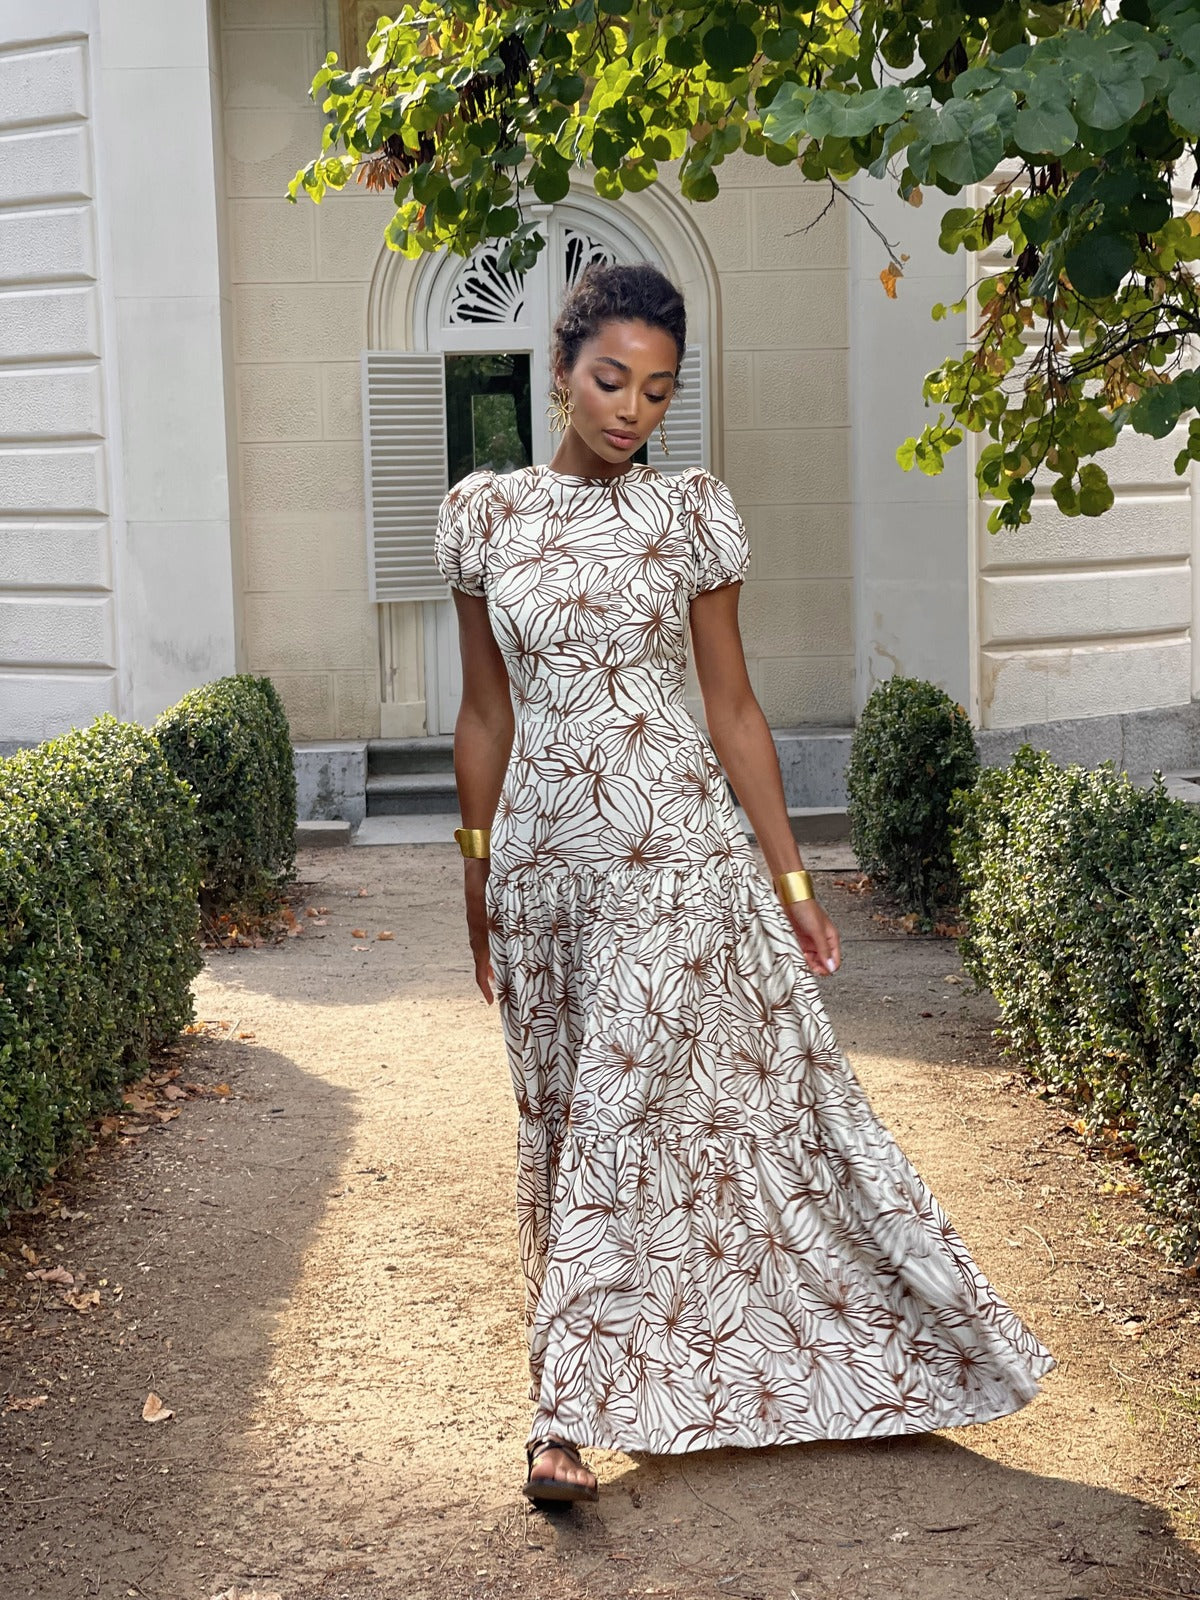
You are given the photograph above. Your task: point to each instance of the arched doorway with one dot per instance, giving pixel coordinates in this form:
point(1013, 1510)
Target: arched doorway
point(468, 390)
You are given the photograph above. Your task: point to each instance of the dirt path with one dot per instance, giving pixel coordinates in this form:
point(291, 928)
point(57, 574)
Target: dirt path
point(317, 1273)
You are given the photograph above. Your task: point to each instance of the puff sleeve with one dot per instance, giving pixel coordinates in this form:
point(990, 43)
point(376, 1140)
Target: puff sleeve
point(720, 547)
point(458, 543)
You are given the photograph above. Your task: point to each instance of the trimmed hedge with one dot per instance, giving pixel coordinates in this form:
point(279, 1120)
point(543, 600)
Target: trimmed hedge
point(1082, 898)
point(912, 748)
point(229, 740)
point(98, 935)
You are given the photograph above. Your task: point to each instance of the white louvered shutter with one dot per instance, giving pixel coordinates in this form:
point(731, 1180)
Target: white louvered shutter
point(404, 439)
point(687, 420)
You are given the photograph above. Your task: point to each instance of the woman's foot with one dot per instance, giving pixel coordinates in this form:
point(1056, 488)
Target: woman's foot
point(556, 1472)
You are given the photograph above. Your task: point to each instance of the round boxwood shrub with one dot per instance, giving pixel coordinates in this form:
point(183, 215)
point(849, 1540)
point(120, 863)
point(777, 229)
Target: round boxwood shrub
point(229, 741)
point(912, 748)
point(1081, 895)
point(99, 871)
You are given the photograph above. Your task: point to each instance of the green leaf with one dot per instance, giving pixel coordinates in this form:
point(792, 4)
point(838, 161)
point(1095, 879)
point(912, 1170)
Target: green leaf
point(1098, 262)
point(1045, 130)
point(1158, 409)
point(729, 46)
point(788, 117)
point(699, 186)
point(1110, 101)
point(972, 158)
point(1095, 494)
point(1065, 497)
point(958, 225)
point(550, 186)
point(1184, 104)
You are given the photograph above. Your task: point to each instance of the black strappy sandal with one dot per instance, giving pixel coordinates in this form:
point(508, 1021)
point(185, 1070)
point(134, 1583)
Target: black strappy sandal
point(556, 1489)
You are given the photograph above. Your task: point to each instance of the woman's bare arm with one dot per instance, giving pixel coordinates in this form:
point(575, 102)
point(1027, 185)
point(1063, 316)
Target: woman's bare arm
point(483, 736)
point(483, 731)
point(737, 727)
point(742, 740)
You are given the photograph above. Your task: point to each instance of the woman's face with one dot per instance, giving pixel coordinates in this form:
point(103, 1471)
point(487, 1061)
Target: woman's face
point(621, 383)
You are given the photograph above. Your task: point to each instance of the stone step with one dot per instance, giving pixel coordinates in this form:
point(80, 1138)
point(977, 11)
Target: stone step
point(395, 794)
point(387, 756)
point(810, 824)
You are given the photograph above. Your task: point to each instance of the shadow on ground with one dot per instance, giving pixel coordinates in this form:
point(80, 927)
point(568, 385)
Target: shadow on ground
point(194, 1235)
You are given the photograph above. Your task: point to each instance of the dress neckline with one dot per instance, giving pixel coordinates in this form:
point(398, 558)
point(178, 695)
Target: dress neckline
point(580, 477)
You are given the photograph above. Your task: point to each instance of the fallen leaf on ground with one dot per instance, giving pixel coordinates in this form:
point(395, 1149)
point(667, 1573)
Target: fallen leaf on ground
point(310, 911)
point(154, 1410)
point(245, 1036)
point(220, 1088)
point(174, 1092)
point(53, 1275)
point(29, 1402)
point(30, 1255)
point(84, 1302)
point(358, 933)
point(248, 1594)
point(322, 911)
point(385, 935)
point(360, 947)
point(167, 1116)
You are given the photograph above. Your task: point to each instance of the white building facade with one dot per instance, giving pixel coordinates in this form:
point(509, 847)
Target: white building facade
point(226, 420)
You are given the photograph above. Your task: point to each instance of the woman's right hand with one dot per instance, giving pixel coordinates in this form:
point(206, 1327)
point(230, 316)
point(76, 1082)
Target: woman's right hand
point(475, 876)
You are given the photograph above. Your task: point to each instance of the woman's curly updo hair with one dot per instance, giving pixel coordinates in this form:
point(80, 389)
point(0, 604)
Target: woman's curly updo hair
point(608, 292)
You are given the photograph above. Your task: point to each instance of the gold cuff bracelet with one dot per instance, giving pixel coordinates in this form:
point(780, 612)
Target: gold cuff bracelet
point(474, 842)
point(794, 886)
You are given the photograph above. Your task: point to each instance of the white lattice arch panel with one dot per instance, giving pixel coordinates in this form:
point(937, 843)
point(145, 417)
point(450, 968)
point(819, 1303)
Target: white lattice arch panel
point(409, 301)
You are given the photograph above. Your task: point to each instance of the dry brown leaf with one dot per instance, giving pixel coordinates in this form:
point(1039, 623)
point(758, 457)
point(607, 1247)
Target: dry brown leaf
point(29, 1402)
point(154, 1410)
point(384, 934)
point(167, 1116)
point(245, 1036)
point(322, 911)
point(174, 1092)
point(360, 947)
point(248, 1594)
point(221, 1089)
point(310, 911)
point(84, 1302)
point(358, 933)
point(30, 1255)
point(888, 278)
point(53, 1275)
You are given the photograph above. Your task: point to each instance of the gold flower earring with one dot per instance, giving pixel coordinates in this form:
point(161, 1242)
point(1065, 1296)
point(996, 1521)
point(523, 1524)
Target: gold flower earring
point(662, 436)
point(558, 412)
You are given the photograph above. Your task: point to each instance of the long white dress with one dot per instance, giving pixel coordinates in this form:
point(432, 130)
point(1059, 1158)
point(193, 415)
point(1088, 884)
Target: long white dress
point(721, 1243)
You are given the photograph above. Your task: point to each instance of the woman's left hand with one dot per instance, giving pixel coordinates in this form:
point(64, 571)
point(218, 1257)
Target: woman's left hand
point(817, 934)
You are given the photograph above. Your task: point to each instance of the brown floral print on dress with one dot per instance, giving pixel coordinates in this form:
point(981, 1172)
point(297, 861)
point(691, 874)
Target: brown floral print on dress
point(722, 1245)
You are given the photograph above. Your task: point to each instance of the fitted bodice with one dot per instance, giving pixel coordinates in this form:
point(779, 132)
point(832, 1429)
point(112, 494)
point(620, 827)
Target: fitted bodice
point(588, 585)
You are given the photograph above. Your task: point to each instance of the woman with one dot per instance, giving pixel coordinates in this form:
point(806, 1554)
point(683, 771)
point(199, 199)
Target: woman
point(721, 1244)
